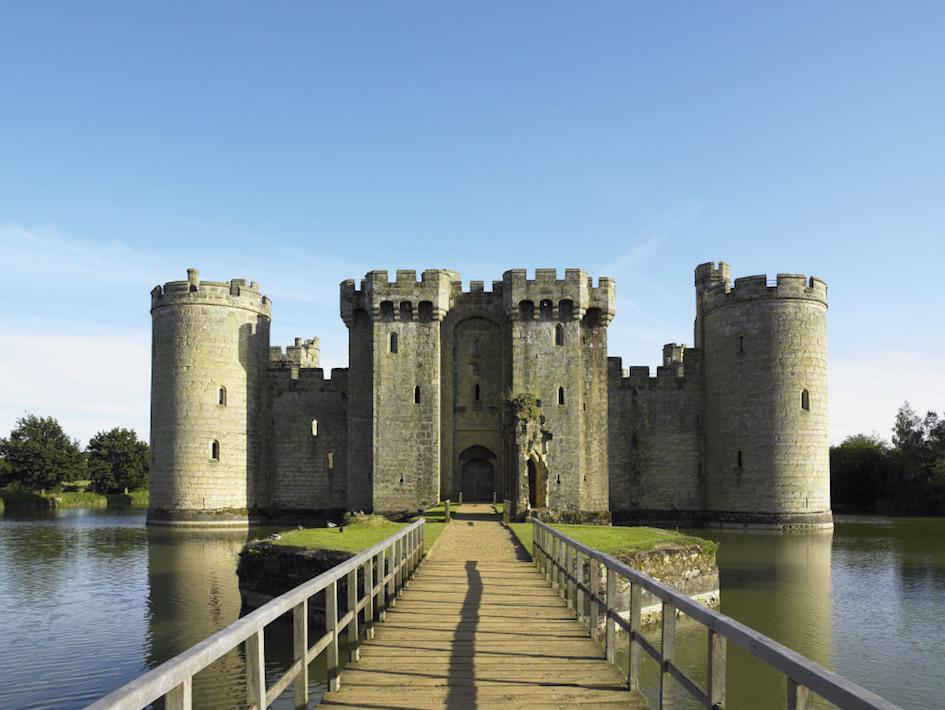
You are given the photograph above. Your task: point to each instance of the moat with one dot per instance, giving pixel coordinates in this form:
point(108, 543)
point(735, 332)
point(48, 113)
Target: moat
point(93, 598)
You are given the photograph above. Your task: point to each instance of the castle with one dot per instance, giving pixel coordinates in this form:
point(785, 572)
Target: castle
point(507, 392)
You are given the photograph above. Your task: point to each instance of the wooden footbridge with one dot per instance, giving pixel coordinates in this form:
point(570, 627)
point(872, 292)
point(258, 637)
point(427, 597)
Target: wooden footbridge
point(478, 625)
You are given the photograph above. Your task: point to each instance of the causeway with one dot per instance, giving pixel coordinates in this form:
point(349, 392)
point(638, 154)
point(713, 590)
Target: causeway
point(479, 626)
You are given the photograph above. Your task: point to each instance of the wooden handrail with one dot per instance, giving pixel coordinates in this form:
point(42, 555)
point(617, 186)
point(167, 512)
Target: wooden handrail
point(559, 556)
point(173, 680)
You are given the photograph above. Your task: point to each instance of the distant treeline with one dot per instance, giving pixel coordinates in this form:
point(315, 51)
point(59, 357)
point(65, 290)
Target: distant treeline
point(39, 456)
point(866, 473)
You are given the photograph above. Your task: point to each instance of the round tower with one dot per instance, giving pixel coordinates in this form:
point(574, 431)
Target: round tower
point(209, 352)
point(766, 447)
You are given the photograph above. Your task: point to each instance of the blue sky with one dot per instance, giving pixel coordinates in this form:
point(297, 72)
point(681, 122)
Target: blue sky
point(303, 143)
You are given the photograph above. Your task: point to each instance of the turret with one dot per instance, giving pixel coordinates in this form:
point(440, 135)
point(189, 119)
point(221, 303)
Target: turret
point(210, 348)
point(765, 360)
point(394, 396)
point(559, 355)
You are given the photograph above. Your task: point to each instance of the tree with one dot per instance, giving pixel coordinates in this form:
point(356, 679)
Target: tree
point(859, 470)
point(40, 455)
point(117, 460)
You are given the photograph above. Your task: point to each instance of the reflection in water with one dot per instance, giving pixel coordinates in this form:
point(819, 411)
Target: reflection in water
point(781, 586)
point(777, 584)
point(193, 593)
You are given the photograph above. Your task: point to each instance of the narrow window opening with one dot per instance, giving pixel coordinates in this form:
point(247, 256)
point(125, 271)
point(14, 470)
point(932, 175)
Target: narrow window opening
point(221, 396)
point(561, 395)
point(741, 344)
point(330, 461)
point(393, 342)
point(477, 393)
point(738, 459)
point(314, 427)
point(805, 400)
point(416, 394)
point(559, 334)
point(215, 450)
point(476, 348)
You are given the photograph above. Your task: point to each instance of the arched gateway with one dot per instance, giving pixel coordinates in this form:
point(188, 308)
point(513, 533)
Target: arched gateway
point(478, 471)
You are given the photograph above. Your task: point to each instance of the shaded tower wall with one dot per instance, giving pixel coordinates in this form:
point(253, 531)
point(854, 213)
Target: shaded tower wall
point(766, 442)
point(559, 354)
point(206, 336)
point(404, 317)
point(308, 462)
point(475, 367)
point(656, 472)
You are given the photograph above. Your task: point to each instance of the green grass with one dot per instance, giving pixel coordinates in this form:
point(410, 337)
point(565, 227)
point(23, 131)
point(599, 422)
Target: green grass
point(499, 507)
point(431, 531)
point(617, 541)
point(355, 538)
point(366, 532)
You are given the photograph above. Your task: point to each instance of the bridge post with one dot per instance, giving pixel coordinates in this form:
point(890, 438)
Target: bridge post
point(299, 653)
point(382, 584)
point(579, 573)
point(667, 648)
point(595, 598)
point(354, 652)
point(798, 696)
point(255, 671)
point(570, 555)
point(446, 509)
point(331, 626)
point(180, 698)
point(369, 598)
point(609, 622)
point(633, 674)
point(716, 676)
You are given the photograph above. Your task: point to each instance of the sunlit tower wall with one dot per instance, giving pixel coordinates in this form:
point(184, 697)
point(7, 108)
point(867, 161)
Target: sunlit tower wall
point(766, 426)
point(394, 391)
point(209, 353)
point(559, 355)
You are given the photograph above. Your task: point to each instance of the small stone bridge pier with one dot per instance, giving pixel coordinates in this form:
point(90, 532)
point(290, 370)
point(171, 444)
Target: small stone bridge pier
point(480, 624)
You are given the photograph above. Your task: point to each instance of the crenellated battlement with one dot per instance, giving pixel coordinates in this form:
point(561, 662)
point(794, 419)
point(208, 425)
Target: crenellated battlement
point(236, 293)
point(404, 299)
point(546, 297)
point(760, 287)
point(303, 353)
point(681, 367)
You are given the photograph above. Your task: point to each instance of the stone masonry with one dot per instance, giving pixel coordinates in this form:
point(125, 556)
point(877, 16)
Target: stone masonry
point(506, 391)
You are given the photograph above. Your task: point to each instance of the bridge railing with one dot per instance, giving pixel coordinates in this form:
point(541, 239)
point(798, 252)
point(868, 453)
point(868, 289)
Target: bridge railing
point(562, 559)
point(385, 569)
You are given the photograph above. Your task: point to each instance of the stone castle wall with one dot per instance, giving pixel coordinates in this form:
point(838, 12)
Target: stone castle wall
point(656, 442)
point(308, 459)
point(207, 337)
point(767, 456)
point(732, 431)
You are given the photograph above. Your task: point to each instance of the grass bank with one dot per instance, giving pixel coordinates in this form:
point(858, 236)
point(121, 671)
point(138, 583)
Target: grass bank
point(39, 500)
point(362, 532)
point(618, 541)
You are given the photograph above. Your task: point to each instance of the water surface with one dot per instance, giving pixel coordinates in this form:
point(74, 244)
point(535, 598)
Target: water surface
point(89, 599)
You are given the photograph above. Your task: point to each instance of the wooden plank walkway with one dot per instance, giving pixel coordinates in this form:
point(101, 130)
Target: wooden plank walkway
point(479, 627)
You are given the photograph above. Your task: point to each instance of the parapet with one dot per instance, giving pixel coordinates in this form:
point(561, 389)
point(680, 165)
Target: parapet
point(404, 299)
point(304, 353)
point(755, 288)
point(682, 370)
point(548, 297)
point(236, 293)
